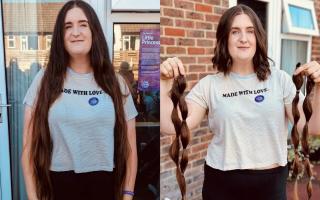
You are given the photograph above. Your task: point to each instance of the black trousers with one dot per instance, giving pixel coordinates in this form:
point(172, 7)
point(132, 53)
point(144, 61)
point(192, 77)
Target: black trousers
point(92, 185)
point(269, 184)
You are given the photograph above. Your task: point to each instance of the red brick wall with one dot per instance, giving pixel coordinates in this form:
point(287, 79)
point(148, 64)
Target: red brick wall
point(315, 53)
point(188, 32)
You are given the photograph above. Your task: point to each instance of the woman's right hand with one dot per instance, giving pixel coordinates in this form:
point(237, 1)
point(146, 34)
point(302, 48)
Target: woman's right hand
point(171, 68)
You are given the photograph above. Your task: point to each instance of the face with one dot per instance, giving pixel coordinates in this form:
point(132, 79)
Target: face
point(77, 33)
point(242, 39)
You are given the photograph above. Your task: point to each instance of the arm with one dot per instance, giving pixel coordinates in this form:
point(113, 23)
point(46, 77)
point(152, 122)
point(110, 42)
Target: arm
point(25, 157)
point(169, 70)
point(131, 170)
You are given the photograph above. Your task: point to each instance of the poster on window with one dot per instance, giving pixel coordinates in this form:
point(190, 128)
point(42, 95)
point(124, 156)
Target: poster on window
point(149, 60)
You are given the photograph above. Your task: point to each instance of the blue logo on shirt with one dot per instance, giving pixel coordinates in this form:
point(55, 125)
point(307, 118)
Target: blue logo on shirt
point(93, 101)
point(259, 98)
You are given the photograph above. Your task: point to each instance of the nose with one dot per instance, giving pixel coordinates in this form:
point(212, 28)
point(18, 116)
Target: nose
point(243, 37)
point(75, 31)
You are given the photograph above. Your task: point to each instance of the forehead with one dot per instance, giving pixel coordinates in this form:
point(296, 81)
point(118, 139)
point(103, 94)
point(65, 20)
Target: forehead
point(241, 21)
point(75, 14)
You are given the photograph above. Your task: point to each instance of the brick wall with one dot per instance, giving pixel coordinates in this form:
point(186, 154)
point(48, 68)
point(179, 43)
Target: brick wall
point(188, 32)
point(315, 53)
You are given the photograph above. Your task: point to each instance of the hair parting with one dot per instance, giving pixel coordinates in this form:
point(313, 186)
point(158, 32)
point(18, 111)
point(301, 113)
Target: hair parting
point(182, 132)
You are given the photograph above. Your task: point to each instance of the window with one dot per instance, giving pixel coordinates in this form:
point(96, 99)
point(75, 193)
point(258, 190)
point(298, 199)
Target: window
point(25, 24)
point(23, 43)
point(33, 42)
point(134, 5)
point(11, 41)
point(29, 42)
point(299, 17)
point(136, 62)
point(48, 41)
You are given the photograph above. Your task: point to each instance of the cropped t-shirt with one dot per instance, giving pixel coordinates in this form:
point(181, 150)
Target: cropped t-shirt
point(247, 117)
point(81, 123)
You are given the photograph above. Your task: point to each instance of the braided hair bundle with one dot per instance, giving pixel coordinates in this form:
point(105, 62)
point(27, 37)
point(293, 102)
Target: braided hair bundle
point(298, 81)
point(307, 109)
point(182, 132)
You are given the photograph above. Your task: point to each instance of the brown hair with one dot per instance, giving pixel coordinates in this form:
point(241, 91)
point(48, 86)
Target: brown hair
point(182, 132)
point(50, 90)
point(222, 59)
point(307, 109)
point(298, 81)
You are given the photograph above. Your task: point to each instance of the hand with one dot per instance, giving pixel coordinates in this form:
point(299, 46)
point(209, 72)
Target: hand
point(170, 68)
point(311, 69)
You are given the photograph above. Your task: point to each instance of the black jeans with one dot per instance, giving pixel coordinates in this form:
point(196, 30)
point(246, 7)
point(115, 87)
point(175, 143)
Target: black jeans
point(269, 184)
point(91, 185)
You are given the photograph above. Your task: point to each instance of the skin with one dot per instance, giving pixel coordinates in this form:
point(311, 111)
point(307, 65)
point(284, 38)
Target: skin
point(242, 47)
point(77, 42)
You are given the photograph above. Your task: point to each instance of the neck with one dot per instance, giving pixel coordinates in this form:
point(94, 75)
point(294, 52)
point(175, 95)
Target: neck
point(80, 64)
point(242, 67)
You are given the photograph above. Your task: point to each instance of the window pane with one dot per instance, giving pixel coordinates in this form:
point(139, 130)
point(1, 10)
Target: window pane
point(126, 61)
point(32, 42)
point(28, 21)
point(301, 17)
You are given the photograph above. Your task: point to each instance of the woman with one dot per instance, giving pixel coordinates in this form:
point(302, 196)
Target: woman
point(248, 104)
point(79, 133)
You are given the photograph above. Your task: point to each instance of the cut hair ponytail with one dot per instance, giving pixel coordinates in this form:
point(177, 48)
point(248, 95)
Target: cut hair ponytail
point(182, 132)
point(307, 109)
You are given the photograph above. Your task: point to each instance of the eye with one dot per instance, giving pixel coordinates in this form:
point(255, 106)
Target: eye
point(251, 31)
point(67, 26)
point(84, 25)
point(235, 32)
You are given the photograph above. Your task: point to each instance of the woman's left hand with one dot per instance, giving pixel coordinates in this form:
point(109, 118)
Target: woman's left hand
point(311, 69)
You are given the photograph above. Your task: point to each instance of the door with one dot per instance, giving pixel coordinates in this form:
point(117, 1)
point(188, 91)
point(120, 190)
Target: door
point(5, 179)
point(25, 41)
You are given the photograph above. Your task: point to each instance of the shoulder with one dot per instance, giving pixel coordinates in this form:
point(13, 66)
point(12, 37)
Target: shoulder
point(211, 77)
point(279, 74)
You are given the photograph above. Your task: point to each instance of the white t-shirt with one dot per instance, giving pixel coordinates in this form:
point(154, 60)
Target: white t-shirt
point(247, 117)
point(81, 123)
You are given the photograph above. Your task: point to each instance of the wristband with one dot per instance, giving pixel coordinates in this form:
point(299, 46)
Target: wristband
point(128, 192)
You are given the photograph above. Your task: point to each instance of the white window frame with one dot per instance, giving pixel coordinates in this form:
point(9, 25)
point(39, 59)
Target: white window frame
point(134, 5)
point(48, 38)
point(289, 28)
point(13, 39)
point(24, 38)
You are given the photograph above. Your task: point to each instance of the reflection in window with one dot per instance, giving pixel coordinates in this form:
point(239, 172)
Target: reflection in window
point(301, 17)
point(126, 62)
point(48, 41)
point(11, 41)
point(26, 24)
point(23, 42)
point(33, 42)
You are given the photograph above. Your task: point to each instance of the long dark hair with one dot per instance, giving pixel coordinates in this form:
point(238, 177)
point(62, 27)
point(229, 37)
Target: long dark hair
point(307, 109)
point(182, 132)
point(222, 59)
point(50, 90)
